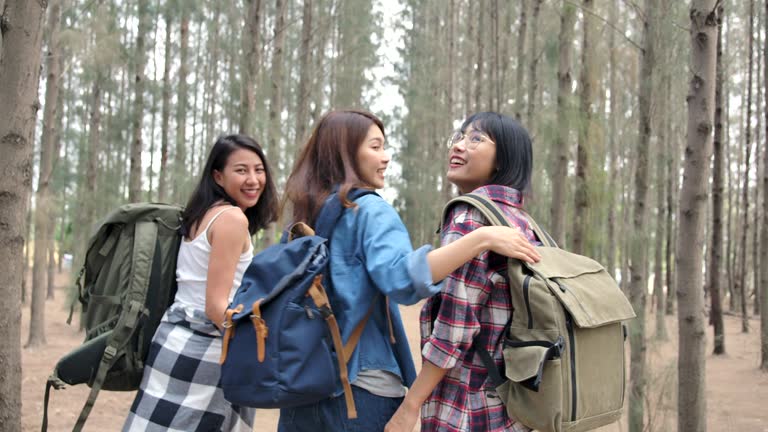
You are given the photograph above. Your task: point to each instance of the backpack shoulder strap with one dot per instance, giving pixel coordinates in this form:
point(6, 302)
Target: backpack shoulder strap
point(487, 208)
point(333, 210)
point(495, 216)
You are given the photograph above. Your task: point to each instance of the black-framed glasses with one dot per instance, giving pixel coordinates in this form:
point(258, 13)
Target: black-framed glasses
point(472, 139)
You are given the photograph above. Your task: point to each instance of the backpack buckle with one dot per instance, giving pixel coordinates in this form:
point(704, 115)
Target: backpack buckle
point(110, 352)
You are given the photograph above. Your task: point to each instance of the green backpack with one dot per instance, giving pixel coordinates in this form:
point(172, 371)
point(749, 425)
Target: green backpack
point(564, 348)
point(128, 281)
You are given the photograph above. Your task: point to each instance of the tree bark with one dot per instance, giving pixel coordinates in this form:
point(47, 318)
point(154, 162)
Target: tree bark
point(639, 237)
point(134, 179)
point(43, 205)
point(521, 61)
point(251, 43)
point(561, 149)
point(180, 158)
point(613, 145)
point(758, 175)
point(480, 50)
point(22, 38)
point(663, 146)
point(533, 79)
point(581, 213)
point(162, 187)
point(764, 227)
point(277, 78)
point(691, 400)
point(302, 93)
point(716, 247)
point(745, 189)
point(672, 195)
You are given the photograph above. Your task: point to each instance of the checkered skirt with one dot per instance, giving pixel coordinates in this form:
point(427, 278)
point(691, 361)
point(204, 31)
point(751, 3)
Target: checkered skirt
point(180, 388)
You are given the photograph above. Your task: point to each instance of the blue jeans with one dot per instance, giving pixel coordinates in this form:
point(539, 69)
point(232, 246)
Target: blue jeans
point(330, 415)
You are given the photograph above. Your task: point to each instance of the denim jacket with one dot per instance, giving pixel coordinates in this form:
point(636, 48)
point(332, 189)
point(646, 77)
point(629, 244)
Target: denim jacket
point(372, 257)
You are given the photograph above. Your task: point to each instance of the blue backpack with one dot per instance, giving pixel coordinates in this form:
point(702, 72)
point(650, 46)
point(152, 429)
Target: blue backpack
point(282, 345)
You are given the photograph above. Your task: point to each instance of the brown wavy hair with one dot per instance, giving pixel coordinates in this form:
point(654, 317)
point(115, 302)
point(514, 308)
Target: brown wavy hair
point(328, 160)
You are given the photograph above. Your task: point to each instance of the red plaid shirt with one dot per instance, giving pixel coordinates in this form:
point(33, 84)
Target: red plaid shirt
point(474, 304)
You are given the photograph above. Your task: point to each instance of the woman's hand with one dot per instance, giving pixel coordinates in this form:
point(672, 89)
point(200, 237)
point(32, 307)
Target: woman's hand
point(403, 420)
point(511, 242)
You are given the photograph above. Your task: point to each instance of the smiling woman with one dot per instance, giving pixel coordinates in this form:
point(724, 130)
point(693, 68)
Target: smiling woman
point(371, 259)
point(180, 387)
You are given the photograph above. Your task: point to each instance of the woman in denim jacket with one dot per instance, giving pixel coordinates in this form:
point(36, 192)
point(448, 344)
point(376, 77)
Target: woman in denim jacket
point(372, 258)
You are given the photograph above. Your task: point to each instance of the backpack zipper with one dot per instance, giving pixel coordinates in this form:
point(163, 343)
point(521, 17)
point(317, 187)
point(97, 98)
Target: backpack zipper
point(572, 343)
point(526, 295)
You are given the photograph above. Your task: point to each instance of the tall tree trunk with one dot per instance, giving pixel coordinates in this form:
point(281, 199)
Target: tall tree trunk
point(613, 145)
point(533, 79)
point(521, 60)
point(3, 17)
point(51, 269)
point(134, 179)
point(302, 93)
point(43, 217)
point(274, 137)
point(447, 188)
point(151, 190)
point(480, 50)
point(561, 149)
point(212, 82)
point(691, 400)
point(273, 145)
point(764, 228)
point(27, 237)
point(20, 72)
point(745, 189)
point(162, 187)
point(581, 213)
point(663, 146)
point(639, 237)
point(758, 174)
point(180, 158)
point(494, 82)
point(716, 247)
point(251, 43)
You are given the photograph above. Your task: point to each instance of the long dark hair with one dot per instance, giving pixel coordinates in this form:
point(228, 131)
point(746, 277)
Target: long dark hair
point(208, 192)
point(328, 159)
point(514, 153)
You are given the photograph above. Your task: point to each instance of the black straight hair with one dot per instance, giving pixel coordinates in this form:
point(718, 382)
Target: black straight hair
point(514, 153)
point(208, 193)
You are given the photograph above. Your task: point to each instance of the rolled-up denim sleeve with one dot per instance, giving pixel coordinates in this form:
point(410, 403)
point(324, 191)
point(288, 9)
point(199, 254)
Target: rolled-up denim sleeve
point(396, 269)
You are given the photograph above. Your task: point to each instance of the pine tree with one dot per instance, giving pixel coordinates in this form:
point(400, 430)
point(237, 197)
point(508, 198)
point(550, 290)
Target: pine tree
point(20, 47)
point(691, 399)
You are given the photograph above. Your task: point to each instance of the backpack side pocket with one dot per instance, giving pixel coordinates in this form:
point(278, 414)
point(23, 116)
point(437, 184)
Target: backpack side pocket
point(533, 392)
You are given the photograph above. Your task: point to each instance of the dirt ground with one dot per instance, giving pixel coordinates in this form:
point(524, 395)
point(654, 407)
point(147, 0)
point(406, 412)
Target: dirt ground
point(736, 391)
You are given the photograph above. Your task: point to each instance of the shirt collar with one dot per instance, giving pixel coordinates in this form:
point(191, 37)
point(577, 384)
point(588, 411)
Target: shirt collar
point(502, 194)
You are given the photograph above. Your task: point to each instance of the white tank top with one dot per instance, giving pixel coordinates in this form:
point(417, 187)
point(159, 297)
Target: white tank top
point(192, 269)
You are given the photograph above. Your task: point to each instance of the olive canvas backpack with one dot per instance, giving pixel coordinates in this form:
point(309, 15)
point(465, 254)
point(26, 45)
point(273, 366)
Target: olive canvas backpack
point(563, 349)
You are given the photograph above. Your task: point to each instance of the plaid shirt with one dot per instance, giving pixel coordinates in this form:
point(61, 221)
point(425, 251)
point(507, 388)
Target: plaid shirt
point(474, 305)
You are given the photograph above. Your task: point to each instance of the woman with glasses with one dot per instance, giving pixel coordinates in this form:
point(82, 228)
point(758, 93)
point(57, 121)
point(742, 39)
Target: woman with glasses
point(371, 257)
point(490, 155)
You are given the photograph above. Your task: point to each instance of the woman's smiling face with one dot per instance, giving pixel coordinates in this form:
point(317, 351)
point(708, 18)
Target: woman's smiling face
point(372, 158)
point(471, 160)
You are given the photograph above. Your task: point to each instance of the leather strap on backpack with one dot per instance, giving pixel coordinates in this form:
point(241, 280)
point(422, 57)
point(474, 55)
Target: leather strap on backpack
point(317, 292)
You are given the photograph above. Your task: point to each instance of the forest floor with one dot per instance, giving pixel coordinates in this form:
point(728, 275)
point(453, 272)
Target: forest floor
point(736, 391)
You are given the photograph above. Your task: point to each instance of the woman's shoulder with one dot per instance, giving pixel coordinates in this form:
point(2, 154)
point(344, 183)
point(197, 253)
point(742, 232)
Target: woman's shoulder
point(373, 204)
point(225, 219)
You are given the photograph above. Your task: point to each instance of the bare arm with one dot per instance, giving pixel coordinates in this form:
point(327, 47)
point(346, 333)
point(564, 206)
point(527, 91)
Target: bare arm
point(505, 241)
point(227, 236)
point(406, 415)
